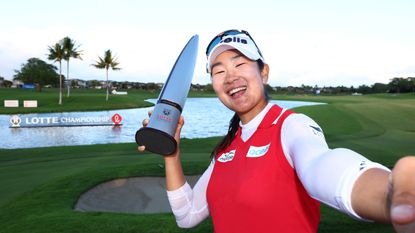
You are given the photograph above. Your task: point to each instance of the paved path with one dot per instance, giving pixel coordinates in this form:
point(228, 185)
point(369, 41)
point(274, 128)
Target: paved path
point(128, 195)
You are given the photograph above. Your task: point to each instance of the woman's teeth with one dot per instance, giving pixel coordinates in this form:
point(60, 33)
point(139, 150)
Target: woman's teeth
point(238, 89)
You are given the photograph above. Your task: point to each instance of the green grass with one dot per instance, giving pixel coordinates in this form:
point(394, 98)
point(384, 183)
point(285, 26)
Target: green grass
point(382, 127)
point(40, 186)
point(79, 100)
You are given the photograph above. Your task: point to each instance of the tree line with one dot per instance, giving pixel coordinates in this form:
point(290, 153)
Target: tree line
point(396, 85)
point(39, 73)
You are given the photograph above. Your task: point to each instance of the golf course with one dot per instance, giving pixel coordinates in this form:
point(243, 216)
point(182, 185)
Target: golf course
point(40, 186)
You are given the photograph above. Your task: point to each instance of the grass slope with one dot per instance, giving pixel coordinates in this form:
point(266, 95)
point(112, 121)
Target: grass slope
point(40, 186)
point(80, 100)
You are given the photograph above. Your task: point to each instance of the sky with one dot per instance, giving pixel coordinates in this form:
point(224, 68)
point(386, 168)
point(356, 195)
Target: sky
point(319, 42)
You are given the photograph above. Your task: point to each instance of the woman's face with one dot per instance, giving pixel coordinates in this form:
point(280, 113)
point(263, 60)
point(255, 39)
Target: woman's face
point(239, 83)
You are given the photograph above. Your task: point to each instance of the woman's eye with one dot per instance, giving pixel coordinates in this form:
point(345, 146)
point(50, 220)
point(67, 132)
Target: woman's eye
point(218, 72)
point(238, 65)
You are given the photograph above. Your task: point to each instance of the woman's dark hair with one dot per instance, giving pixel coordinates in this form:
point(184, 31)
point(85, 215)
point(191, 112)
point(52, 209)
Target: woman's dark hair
point(234, 123)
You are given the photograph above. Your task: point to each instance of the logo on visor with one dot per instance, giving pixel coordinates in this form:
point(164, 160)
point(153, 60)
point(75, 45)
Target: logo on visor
point(234, 39)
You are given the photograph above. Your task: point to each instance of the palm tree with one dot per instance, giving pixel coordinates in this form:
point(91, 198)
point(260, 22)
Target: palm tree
point(105, 63)
point(70, 51)
point(56, 54)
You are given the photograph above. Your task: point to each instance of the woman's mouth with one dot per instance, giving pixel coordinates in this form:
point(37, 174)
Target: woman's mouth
point(237, 91)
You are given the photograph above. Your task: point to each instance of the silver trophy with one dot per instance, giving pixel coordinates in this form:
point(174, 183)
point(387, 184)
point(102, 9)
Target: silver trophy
point(158, 135)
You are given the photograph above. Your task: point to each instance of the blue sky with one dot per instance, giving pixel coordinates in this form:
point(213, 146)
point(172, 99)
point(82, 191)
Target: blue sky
point(321, 42)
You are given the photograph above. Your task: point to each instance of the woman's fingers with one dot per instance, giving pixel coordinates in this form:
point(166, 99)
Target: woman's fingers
point(180, 124)
point(145, 122)
point(141, 148)
point(403, 195)
point(179, 127)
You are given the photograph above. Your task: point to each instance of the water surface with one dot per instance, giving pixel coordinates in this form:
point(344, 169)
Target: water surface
point(204, 117)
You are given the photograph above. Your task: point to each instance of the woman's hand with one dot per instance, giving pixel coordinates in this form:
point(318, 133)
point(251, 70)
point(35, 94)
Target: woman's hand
point(173, 167)
point(145, 123)
point(402, 195)
point(176, 135)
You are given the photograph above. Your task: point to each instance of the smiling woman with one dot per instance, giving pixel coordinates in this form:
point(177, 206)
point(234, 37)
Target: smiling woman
point(245, 96)
point(271, 170)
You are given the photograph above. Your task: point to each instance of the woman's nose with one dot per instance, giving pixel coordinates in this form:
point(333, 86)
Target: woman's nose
point(231, 76)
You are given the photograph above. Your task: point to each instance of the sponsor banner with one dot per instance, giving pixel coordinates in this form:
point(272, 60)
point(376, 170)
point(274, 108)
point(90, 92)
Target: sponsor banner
point(11, 103)
point(17, 121)
point(30, 103)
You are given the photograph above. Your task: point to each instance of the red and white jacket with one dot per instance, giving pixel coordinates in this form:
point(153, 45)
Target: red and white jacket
point(253, 188)
point(269, 178)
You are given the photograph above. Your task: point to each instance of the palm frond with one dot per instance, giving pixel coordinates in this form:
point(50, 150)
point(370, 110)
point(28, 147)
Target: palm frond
point(99, 64)
point(108, 61)
point(56, 53)
point(71, 51)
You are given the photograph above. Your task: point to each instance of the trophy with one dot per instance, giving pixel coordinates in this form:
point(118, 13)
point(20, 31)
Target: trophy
point(158, 135)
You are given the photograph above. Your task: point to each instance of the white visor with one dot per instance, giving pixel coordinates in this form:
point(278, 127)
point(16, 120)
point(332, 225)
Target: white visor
point(240, 42)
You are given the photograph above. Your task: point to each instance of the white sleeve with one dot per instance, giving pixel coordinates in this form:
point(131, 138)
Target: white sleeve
point(328, 175)
point(189, 205)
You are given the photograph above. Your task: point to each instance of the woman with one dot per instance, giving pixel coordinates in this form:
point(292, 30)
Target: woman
point(273, 166)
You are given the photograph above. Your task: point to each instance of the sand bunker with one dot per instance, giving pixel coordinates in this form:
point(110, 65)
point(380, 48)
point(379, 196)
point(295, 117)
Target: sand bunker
point(129, 195)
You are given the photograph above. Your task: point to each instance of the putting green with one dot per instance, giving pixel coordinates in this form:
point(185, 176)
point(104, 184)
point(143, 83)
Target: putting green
point(41, 186)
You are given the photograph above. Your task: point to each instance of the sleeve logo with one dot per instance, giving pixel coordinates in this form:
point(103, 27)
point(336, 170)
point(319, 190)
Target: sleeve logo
point(316, 131)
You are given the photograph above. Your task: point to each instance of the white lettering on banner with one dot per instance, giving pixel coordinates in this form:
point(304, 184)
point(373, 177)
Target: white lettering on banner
point(55, 120)
point(85, 119)
point(24, 121)
point(41, 120)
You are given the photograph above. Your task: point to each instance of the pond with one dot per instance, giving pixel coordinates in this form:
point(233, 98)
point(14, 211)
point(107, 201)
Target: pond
point(204, 117)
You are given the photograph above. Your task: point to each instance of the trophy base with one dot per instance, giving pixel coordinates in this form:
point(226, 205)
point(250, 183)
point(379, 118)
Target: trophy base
point(156, 141)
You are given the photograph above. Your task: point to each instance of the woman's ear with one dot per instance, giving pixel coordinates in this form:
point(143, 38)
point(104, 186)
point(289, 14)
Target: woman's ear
point(265, 73)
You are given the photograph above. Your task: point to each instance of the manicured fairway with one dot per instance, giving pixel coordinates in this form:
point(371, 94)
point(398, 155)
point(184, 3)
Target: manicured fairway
point(80, 100)
point(40, 186)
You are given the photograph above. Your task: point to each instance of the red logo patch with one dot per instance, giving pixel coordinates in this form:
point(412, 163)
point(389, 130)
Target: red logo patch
point(116, 118)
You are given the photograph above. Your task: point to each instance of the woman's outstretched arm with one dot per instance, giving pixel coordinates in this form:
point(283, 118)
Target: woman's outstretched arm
point(388, 197)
